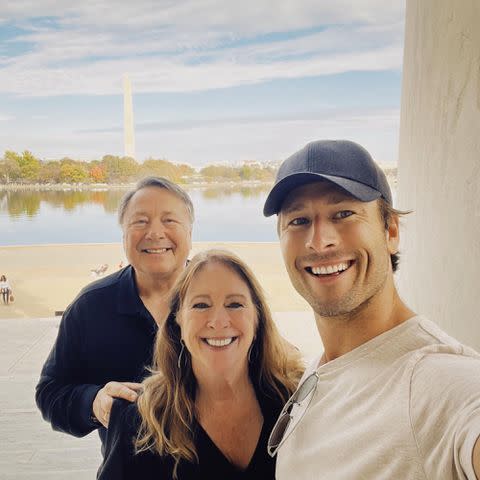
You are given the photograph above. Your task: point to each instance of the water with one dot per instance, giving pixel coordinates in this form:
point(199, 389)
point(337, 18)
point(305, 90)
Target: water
point(45, 217)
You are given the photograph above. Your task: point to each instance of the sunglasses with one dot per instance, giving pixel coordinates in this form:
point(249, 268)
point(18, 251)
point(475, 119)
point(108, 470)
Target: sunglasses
point(294, 409)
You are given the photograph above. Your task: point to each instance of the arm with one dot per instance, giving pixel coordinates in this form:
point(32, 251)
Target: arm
point(67, 394)
point(63, 398)
point(445, 414)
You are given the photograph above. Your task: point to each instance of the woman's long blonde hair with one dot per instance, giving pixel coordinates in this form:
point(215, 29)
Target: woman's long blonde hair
point(167, 405)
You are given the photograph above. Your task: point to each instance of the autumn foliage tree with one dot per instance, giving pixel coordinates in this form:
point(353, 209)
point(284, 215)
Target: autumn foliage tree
point(26, 168)
point(97, 174)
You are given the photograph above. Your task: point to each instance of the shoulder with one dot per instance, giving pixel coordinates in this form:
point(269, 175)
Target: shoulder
point(444, 407)
point(122, 432)
point(103, 291)
point(119, 454)
point(443, 367)
point(107, 283)
point(444, 381)
point(124, 414)
point(436, 336)
point(433, 354)
point(123, 425)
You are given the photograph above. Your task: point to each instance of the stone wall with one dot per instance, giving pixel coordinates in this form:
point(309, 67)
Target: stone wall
point(439, 164)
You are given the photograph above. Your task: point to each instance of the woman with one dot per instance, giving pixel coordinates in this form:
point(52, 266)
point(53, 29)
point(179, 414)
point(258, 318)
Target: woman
point(5, 289)
point(221, 375)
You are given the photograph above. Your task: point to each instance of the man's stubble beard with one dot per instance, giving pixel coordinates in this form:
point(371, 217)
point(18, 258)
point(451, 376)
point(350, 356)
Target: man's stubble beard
point(347, 306)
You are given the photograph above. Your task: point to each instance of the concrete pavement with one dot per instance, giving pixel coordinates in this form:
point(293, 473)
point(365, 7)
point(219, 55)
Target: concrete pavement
point(29, 448)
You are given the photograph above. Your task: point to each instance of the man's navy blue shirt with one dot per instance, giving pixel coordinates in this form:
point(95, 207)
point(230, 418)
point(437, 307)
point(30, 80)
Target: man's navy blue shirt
point(105, 335)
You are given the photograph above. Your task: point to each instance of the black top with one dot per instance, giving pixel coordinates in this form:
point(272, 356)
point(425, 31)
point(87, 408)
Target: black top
point(120, 462)
point(106, 334)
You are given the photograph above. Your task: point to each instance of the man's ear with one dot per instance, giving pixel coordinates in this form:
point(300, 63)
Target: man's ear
point(393, 234)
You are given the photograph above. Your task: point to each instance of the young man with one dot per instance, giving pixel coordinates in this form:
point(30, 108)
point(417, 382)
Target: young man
point(392, 396)
point(106, 335)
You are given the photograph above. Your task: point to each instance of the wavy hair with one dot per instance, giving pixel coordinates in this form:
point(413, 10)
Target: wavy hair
point(387, 212)
point(167, 405)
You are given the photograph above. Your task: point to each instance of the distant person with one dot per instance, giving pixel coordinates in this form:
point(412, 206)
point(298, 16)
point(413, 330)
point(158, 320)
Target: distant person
point(221, 375)
point(99, 271)
point(392, 396)
point(5, 289)
point(106, 335)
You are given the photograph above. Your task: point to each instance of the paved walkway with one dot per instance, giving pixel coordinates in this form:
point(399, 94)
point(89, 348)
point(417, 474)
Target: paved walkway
point(29, 448)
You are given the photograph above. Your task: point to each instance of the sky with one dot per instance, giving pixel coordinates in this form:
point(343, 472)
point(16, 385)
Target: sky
point(213, 80)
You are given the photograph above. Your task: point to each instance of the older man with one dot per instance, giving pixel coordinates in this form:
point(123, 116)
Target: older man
point(392, 395)
point(106, 335)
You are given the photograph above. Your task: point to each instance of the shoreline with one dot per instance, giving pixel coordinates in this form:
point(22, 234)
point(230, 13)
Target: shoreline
point(46, 278)
point(220, 183)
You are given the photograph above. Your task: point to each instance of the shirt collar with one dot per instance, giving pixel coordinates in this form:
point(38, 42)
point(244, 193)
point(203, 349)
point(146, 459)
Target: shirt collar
point(128, 301)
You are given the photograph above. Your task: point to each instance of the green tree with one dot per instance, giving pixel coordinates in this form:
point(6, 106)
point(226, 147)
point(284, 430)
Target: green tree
point(29, 167)
point(185, 171)
point(50, 172)
point(119, 169)
point(220, 172)
point(73, 172)
point(246, 172)
point(10, 167)
point(161, 168)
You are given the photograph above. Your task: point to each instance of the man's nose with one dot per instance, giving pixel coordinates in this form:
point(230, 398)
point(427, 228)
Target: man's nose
point(218, 319)
point(322, 236)
point(156, 230)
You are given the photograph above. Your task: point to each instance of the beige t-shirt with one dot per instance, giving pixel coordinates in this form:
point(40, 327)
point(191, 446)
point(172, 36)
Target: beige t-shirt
point(405, 405)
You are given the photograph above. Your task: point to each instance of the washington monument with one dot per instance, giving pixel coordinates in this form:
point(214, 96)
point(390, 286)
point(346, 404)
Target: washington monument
point(129, 136)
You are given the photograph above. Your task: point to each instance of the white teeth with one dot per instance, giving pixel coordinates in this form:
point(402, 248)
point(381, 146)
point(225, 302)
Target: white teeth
point(219, 342)
point(156, 250)
point(330, 269)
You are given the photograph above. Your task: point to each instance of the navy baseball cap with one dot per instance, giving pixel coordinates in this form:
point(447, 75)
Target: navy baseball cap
point(342, 162)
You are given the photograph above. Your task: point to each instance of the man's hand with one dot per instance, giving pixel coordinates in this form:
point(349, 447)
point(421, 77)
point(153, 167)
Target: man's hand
point(102, 404)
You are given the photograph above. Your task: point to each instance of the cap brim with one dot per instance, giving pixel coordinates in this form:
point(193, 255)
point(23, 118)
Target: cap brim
point(280, 191)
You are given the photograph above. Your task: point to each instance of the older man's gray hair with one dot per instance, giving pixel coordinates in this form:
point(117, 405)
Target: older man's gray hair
point(157, 182)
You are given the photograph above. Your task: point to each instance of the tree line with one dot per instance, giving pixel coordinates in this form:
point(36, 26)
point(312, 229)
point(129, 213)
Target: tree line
point(26, 168)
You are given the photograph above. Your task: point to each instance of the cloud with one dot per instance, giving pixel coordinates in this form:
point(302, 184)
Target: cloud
point(85, 47)
point(331, 116)
point(264, 138)
point(268, 140)
point(194, 15)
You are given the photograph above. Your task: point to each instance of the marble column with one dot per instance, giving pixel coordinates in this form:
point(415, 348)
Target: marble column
point(439, 164)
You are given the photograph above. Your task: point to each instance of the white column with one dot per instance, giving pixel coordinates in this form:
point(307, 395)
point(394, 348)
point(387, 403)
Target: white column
point(129, 137)
point(439, 164)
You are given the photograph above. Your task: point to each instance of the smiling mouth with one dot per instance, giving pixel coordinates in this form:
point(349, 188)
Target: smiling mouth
point(219, 342)
point(330, 270)
point(155, 250)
